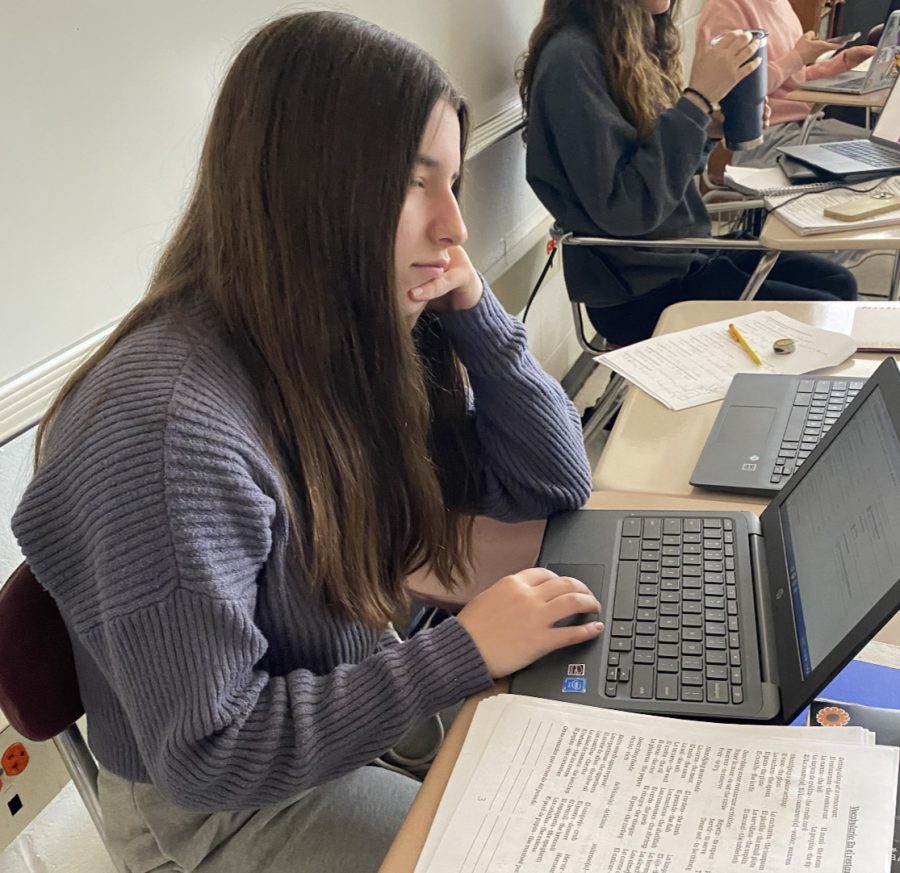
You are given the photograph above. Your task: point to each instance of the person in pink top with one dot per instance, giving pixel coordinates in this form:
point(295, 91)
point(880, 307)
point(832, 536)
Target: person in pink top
point(792, 58)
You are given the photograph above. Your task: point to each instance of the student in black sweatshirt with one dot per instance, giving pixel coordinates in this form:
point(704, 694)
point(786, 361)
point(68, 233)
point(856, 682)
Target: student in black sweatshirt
point(614, 142)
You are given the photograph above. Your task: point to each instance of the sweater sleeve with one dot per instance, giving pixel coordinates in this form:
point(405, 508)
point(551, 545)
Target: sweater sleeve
point(627, 184)
point(529, 434)
point(186, 655)
point(217, 732)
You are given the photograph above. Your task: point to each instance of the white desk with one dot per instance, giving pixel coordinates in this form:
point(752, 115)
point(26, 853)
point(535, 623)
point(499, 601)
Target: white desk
point(776, 235)
point(653, 449)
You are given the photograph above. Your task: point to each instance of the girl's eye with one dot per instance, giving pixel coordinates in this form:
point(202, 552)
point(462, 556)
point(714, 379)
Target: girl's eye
point(418, 183)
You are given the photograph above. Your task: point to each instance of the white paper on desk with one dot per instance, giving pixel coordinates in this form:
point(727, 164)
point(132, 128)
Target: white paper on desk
point(756, 180)
point(477, 738)
point(805, 213)
point(572, 788)
point(476, 747)
point(877, 328)
point(695, 366)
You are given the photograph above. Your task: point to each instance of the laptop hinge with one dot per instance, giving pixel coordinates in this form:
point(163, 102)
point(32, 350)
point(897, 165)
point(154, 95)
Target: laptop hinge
point(764, 626)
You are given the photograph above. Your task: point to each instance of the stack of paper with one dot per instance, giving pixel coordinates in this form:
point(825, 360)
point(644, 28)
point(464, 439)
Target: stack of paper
point(695, 366)
point(543, 786)
point(804, 213)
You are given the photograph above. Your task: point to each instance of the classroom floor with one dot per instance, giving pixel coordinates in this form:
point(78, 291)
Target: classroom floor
point(873, 276)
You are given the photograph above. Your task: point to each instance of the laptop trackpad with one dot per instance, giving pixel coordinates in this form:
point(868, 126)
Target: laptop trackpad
point(594, 576)
point(747, 427)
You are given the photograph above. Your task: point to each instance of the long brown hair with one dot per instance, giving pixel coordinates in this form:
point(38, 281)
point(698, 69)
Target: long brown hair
point(289, 233)
point(642, 53)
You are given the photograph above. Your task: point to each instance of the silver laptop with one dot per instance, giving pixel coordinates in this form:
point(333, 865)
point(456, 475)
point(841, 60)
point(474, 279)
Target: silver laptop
point(726, 615)
point(881, 72)
point(767, 429)
point(881, 152)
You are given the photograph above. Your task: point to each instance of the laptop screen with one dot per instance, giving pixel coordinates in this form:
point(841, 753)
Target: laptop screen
point(841, 529)
point(888, 127)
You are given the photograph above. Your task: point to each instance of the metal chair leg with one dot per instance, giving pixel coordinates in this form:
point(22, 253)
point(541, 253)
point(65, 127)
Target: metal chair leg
point(760, 274)
point(809, 122)
point(82, 769)
point(607, 405)
point(580, 335)
point(894, 293)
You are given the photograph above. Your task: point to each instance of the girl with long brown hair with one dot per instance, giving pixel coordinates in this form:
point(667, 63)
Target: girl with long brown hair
point(614, 142)
point(313, 398)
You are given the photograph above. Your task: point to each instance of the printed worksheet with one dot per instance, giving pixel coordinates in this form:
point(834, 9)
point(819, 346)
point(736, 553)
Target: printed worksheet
point(548, 787)
point(695, 366)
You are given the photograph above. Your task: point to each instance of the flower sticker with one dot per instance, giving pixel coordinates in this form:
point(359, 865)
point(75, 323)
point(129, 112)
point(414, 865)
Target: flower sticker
point(832, 716)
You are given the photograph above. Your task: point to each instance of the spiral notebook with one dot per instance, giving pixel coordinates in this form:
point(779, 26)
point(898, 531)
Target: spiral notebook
point(769, 181)
point(805, 214)
point(877, 328)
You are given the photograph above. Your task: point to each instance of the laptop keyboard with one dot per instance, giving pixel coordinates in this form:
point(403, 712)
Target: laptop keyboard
point(850, 83)
point(866, 152)
point(675, 629)
point(817, 405)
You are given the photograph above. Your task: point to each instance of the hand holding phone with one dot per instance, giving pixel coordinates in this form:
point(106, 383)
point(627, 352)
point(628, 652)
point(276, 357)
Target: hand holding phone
point(843, 39)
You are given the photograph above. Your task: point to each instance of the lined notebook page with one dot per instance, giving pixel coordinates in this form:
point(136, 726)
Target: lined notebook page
point(877, 328)
point(805, 214)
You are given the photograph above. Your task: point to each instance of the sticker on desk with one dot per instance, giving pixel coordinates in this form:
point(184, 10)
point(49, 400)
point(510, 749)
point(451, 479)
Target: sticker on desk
point(833, 716)
point(574, 686)
point(576, 669)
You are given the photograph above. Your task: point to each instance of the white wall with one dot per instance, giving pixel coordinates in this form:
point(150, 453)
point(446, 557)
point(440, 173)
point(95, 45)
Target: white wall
point(15, 471)
point(104, 106)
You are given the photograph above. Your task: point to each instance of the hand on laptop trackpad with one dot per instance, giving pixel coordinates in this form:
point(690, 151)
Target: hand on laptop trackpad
point(578, 618)
point(592, 575)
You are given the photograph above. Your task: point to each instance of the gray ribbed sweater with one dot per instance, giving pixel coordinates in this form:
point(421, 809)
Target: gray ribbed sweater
point(156, 522)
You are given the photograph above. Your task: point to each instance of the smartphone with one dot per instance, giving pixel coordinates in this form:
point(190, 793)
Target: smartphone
point(843, 39)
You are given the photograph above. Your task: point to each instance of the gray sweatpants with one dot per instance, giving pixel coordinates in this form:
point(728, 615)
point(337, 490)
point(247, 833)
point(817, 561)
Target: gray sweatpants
point(345, 825)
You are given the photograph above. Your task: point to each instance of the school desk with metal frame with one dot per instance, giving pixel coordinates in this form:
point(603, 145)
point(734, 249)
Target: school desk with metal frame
point(821, 99)
point(653, 449)
point(777, 236)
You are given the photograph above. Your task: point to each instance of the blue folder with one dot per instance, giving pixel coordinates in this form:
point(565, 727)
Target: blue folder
point(860, 682)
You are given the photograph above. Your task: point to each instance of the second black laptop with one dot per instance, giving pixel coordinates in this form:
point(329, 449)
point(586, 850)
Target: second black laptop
point(766, 429)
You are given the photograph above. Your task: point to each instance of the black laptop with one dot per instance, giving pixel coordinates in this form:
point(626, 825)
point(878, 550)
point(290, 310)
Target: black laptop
point(767, 428)
point(855, 157)
point(727, 615)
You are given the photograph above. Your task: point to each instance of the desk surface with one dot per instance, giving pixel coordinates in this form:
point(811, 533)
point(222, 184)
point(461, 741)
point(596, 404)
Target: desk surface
point(653, 449)
point(777, 235)
point(872, 100)
point(410, 839)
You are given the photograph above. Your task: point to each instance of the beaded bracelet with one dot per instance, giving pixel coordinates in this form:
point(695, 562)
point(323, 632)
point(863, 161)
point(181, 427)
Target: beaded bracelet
point(709, 104)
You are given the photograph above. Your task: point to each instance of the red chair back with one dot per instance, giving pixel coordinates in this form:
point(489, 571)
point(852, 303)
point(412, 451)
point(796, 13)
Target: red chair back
point(38, 684)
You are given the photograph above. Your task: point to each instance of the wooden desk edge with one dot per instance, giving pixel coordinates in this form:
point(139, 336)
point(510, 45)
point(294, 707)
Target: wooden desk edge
point(873, 99)
point(410, 840)
point(777, 235)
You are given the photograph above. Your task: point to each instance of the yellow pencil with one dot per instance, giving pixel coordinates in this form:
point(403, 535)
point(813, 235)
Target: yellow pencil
point(739, 338)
